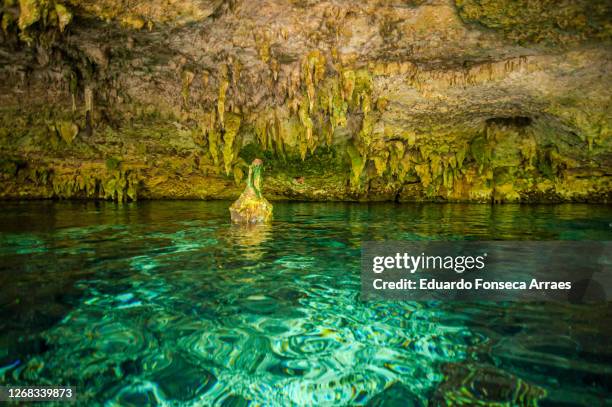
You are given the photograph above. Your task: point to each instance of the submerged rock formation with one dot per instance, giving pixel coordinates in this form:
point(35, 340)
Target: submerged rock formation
point(407, 100)
point(251, 206)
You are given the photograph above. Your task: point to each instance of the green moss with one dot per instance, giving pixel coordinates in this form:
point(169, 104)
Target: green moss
point(262, 43)
point(113, 163)
point(9, 167)
point(348, 84)
point(435, 166)
point(547, 161)
point(30, 11)
point(396, 156)
point(64, 16)
point(238, 174)
point(339, 108)
point(480, 150)
point(357, 165)
point(363, 85)
point(460, 154)
point(316, 63)
point(309, 140)
point(67, 131)
point(6, 22)
point(213, 145)
point(120, 186)
point(380, 163)
point(36, 17)
point(132, 186)
point(423, 172)
point(546, 21)
point(528, 149)
point(132, 21)
point(117, 185)
point(313, 71)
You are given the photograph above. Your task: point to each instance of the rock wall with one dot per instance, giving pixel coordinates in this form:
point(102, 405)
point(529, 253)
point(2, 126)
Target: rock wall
point(413, 100)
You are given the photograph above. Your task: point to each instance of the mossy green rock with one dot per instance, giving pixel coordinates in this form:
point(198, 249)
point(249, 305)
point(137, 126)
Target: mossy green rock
point(251, 206)
point(68, 131)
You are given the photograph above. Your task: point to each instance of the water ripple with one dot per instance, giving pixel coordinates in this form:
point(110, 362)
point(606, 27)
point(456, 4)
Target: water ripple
point(173, 306)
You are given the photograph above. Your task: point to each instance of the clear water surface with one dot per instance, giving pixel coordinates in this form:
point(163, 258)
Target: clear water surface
point(166, 303)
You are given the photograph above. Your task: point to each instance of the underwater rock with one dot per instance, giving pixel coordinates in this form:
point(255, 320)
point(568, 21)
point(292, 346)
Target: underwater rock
point(468, 384)
point(251, 206)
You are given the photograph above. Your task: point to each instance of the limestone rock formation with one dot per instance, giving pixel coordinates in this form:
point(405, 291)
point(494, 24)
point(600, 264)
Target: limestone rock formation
point(251, 206)
point(406, 100)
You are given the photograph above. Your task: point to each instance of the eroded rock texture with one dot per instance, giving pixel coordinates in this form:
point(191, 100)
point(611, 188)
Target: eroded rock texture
point(471, 100)
point(251, 206)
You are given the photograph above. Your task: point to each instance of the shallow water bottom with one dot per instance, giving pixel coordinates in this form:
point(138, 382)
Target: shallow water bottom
point(160, 303)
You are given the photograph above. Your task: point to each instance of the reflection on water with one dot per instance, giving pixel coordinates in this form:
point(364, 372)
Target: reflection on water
point(167, 303)
point(248, 239)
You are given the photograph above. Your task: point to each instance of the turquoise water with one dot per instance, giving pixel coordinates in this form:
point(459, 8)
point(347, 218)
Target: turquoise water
point(166, 303)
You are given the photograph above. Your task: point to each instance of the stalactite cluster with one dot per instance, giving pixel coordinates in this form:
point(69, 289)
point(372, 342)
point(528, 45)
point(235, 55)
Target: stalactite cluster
point(375, 103)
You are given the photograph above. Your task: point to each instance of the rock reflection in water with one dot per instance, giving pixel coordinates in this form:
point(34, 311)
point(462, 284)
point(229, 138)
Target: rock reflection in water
point(249, 239)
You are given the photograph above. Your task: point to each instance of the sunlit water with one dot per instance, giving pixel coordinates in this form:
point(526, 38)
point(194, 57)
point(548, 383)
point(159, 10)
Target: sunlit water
point(166, 303)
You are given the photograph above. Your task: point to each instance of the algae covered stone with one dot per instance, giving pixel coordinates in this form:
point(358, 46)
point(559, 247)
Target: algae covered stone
point(251, 206)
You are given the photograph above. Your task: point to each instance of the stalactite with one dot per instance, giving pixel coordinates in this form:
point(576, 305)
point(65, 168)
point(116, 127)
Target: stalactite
point(223, 86)
point(213, 145)
point(357, 165)
point(232, 125)
point(380, 162)
point(186, 79)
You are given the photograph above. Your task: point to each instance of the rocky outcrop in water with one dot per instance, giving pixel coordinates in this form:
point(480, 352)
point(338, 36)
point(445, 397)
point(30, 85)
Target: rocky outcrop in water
point(405, 100)
point(251, 206)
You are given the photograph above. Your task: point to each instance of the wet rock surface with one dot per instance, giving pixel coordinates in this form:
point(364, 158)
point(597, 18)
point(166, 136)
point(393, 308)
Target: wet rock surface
point(251, 206)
